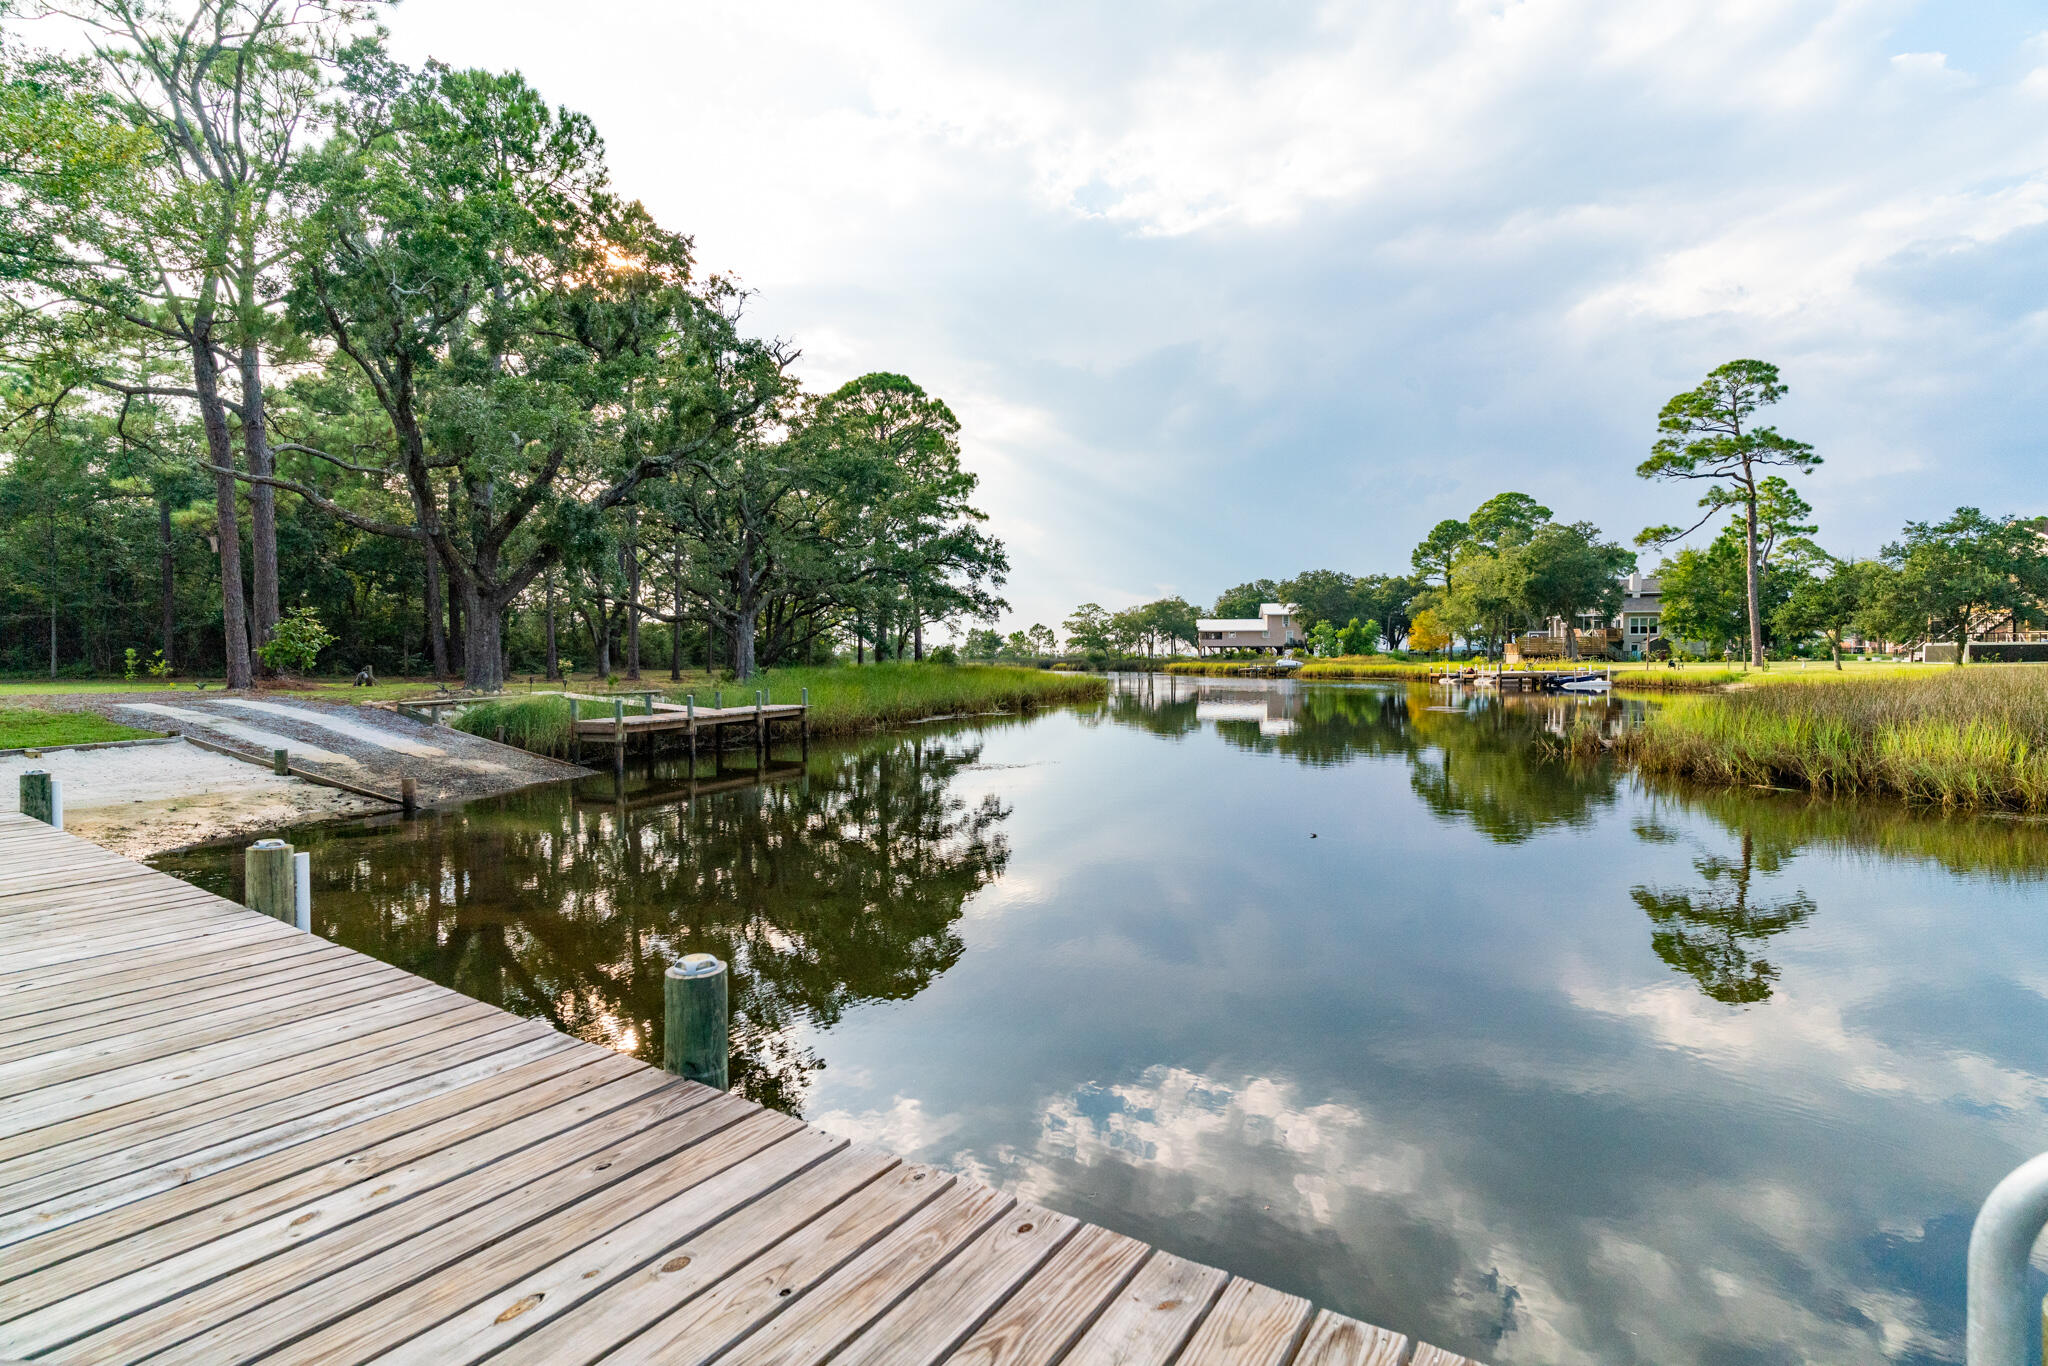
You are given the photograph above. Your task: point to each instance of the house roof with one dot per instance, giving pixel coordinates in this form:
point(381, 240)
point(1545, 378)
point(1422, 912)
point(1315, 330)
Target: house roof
point(1257, 623)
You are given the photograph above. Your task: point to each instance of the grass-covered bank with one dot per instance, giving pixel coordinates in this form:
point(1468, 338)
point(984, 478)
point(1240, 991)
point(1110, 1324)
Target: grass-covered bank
point(844, 701)
point(34, 728)
point(1969, 738)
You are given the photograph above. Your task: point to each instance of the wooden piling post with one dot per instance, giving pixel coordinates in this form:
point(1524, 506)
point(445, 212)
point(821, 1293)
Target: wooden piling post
point(42, 797)
point(694, 1043)
point(760, 730)
point(575, 738)
point(804, 721)
point(409, 795)
point(281, 762)
point(267, 880)
point(690, 710)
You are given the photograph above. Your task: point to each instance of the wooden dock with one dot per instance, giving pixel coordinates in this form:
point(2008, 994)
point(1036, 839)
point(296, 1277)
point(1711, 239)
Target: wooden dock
point(225, 1140)
point(1524, 680)
point(620, 728)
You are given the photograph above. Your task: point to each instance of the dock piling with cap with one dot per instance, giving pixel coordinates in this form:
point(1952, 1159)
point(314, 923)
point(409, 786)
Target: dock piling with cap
point(694, 1043)
point(267, 880)
point(42, 797)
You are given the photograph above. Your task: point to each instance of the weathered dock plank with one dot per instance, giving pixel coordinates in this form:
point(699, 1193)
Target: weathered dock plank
point(1251, 1325)
point(224, 1140)
point(1154, 1316)
point(1053, 1308)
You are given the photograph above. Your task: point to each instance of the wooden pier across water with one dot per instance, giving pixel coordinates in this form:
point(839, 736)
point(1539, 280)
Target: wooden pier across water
point(225, 1140)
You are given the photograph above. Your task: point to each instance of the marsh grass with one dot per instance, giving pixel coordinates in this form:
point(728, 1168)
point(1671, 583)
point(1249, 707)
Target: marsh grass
point(844, 701)
point(540, 724)
point(1677, 680)
point(1971, 738)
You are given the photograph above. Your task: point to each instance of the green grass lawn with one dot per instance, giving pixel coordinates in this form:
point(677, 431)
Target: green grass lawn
point(32, 727)
point(56, 687)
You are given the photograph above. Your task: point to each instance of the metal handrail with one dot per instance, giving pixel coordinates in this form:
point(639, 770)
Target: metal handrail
point(2001, 1245)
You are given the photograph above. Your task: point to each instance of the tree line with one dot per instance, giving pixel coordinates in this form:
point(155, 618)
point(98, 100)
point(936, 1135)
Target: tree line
point(1765, 584)
point(389, 339)
point(1762, 586)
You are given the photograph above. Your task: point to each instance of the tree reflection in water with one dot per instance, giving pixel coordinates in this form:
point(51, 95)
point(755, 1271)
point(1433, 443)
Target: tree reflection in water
point(1472, 759)
point(1715, 934)
point(837, 884)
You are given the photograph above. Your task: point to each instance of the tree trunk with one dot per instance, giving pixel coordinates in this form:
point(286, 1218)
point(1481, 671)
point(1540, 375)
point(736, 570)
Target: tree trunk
point(484, 668)
point(458, 644)
point(167, 581)
point(675, 630)
point(631, 551)
point(917, 633)
point(743, 645)
point(1571, 641)
point(437, 638)
point(262, 501)
point(234, 626)
point(50, 584)
point(554, 654)
point(1756, 624)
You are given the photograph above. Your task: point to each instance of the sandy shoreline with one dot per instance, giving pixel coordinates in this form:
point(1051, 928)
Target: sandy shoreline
point(145, 799)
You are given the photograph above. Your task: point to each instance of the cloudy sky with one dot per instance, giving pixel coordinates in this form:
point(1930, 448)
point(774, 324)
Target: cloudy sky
point(1222, 291)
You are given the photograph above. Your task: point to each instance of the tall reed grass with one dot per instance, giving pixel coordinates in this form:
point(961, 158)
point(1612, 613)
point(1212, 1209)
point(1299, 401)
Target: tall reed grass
point(1973, 738)
point(540, 724)
point(844, 701)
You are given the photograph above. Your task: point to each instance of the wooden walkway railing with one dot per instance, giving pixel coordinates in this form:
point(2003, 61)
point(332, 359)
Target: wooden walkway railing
point(225, 1140)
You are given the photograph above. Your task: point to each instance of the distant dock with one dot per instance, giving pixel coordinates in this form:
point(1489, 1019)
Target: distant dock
point(223, 1139)
point(1525, 680)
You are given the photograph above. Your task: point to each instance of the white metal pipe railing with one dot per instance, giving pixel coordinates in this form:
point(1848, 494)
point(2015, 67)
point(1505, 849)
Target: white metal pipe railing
point(2001, 1245)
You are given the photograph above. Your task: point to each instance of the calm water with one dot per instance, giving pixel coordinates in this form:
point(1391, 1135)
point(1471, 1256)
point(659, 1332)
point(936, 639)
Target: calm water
point(1327, 986)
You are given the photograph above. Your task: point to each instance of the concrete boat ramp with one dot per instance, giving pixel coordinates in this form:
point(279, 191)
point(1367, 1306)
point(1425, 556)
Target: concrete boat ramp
point(363, 748)
point(226, 1140)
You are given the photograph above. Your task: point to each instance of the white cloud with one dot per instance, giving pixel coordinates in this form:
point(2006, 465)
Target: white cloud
point(1376, 261)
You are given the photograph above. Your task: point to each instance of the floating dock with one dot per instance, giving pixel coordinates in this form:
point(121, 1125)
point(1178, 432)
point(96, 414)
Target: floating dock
point(224, 1140)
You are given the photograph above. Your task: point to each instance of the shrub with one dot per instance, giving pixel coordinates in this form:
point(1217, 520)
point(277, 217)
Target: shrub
point(296, 642)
